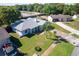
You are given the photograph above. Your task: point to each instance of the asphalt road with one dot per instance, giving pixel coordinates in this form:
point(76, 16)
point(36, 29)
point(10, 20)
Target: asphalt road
point(75, 52)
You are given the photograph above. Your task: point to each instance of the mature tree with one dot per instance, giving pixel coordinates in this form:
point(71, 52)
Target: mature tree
point(59, 8)
point(69, 10)
point(37, 7)
point(50, 8)
point(76, 7)
point(47, 27)
point(38, 49)
point(30, 7)
point(8, 15)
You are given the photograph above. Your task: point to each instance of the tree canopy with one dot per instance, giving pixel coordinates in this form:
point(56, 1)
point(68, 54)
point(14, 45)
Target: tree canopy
point(8, 15)
point(51, 8)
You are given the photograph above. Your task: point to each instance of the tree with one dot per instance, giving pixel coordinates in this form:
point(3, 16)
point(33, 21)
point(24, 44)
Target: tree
point(8, 15)
point(76, 7)
point(59, 8)
point(38, 49)
point(46, 9)
point(48, 26)
point(30, 7)
point(69, 10)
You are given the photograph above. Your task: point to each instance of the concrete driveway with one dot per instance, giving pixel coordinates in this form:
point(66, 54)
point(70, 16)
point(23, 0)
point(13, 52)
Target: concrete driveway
point(72, 30)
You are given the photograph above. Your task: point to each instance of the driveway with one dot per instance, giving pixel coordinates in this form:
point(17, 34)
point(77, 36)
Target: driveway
point(75, 52)
point(72, 30)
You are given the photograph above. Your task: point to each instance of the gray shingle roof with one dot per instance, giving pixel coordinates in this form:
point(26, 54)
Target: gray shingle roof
point(61, 16)
point(29, 23)
point(3, 34)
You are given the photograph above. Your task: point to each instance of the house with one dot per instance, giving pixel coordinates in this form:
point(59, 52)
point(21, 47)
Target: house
point(6, 47)
point(28, 26)
point(74, 16)
point(26, 14)
point(59, 18)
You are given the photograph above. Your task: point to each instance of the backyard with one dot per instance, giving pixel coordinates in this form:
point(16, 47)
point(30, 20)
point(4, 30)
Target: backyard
point(62, 49)
point(27, 45)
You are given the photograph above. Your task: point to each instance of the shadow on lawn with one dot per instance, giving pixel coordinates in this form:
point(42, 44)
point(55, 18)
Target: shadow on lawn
point(21, 53)
point(16, 43)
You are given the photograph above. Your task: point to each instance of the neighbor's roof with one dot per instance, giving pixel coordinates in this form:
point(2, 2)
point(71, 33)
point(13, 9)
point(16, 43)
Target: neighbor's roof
point(61, 16)
point(3, 34)
point(29, 23)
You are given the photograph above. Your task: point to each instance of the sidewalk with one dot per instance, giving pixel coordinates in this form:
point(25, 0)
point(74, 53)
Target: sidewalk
point(72, 30)
point(46, 53)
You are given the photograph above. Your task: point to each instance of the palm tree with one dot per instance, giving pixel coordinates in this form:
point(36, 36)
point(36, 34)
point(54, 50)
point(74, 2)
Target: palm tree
point(48, 27)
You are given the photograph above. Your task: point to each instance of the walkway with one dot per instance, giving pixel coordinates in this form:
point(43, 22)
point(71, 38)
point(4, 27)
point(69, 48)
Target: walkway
point(72, 30)
point(46, 53)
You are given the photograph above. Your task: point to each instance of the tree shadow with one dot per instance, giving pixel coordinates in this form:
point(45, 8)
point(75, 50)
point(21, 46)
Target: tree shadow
point(16, 43)
point(29, 35)
point(64, 40)
point(21, 54)
point(9, 29)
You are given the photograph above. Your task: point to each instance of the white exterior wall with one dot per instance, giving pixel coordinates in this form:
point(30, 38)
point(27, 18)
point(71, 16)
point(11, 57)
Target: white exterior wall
point(74, 17)
point(24, 32)
point(21, 33)
point(41, 28)
point(50, 18)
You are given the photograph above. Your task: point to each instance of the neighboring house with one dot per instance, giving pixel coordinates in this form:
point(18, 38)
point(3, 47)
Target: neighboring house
point(6, 47)
point(74, 16)
point(59, 18)
point(28, 26)
point(27, 14)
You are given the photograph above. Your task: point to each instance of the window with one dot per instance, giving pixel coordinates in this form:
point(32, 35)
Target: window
point(26, 31)
point(56, 20)
point(68, 19)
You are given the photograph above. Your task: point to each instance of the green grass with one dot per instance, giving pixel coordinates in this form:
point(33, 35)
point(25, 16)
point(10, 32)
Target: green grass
point(74, 24)
point(62, 49)
point(28, 44)
point(75, 35)
point(60, 28)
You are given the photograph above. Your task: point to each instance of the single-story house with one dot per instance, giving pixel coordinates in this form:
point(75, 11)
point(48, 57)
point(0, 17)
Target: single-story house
point(28, 26)
point(75, 16)
point(26, 14)
point(6, 47)
point(59, 18)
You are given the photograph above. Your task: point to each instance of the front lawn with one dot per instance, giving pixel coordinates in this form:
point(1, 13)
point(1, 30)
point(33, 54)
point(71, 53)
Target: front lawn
point(62, 49)
point(27, 45)
point(74, 24)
